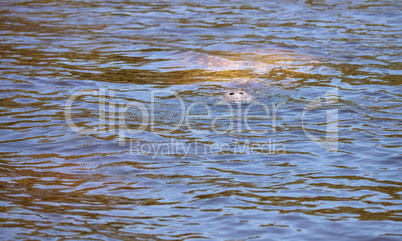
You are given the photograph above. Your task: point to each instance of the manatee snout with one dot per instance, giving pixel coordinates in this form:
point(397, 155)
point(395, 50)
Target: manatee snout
point(237, 96)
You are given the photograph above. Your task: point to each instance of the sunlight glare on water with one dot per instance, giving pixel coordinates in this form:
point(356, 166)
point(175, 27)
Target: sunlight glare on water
point(116, 124)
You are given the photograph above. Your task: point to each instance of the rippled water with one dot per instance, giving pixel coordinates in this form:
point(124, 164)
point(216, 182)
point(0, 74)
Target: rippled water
point(114, 125)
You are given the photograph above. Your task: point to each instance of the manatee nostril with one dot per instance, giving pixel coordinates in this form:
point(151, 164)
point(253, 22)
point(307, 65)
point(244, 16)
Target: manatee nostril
point(237, 96)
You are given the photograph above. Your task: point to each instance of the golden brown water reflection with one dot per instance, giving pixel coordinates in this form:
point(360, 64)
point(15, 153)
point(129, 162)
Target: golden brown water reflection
point(290, 176)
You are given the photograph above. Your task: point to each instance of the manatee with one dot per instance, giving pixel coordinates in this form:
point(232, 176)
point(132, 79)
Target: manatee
point(238, 96)
point(239, 73)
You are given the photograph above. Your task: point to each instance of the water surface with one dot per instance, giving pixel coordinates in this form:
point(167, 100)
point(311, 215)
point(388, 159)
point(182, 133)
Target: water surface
point(318, 156)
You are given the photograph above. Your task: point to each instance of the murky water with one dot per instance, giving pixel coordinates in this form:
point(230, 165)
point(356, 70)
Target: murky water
point(114, 125)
